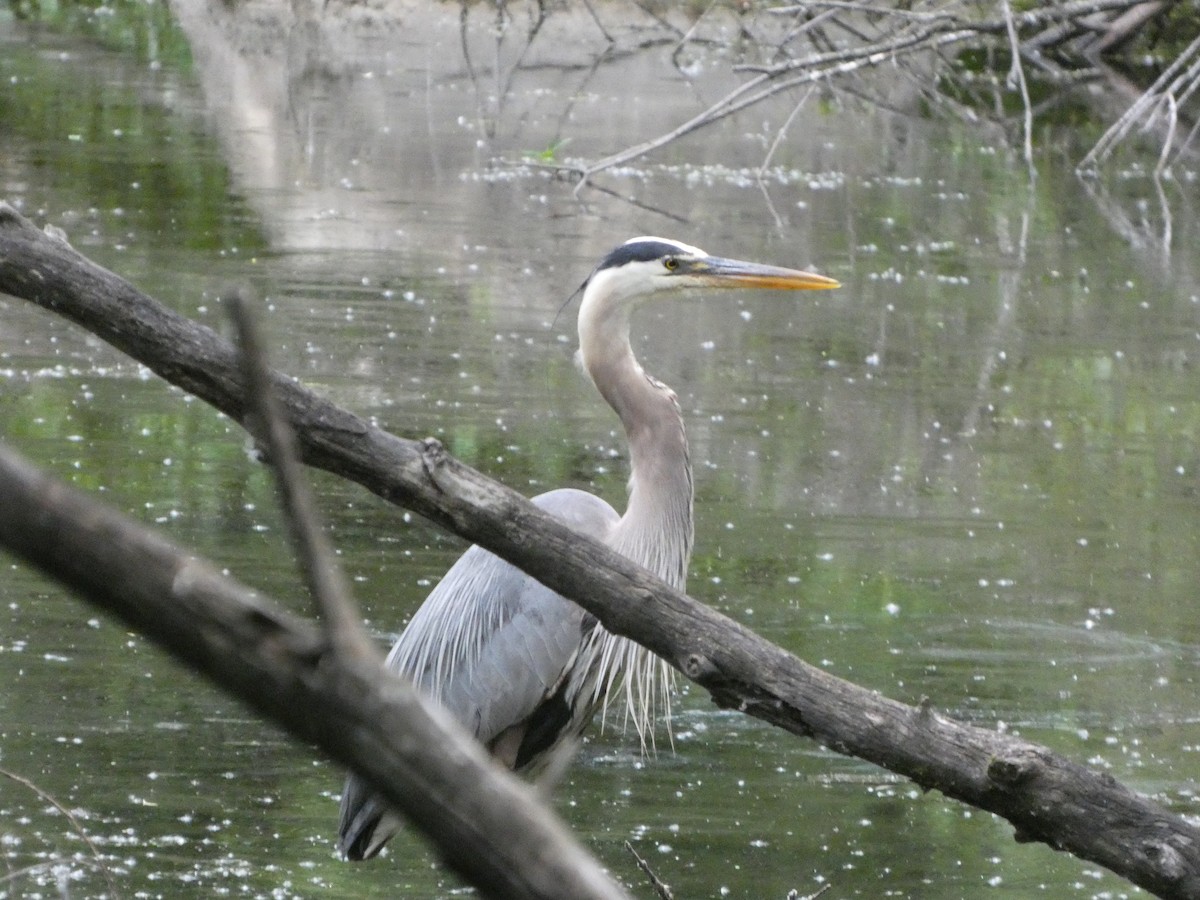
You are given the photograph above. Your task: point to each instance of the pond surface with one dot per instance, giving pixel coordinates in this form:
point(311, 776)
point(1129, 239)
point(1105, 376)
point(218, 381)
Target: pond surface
point(970, 475)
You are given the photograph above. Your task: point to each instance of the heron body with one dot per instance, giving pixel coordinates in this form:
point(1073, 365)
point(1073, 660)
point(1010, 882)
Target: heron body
point(522, 668)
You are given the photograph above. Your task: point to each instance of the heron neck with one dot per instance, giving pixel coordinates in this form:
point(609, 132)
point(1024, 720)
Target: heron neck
point(656, 529)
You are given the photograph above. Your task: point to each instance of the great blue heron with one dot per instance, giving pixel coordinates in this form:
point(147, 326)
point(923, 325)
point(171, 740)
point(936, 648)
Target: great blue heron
point(520, 666)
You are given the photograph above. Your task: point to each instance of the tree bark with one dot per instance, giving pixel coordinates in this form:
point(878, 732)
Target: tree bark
point(1046, 797)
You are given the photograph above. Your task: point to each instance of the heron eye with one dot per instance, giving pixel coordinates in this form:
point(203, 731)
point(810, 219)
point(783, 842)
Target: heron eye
point(671, 263)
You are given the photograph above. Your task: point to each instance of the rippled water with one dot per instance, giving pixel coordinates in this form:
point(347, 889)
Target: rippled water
point(970, 475)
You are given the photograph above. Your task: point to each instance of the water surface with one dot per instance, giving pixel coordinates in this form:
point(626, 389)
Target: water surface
point(970, 475)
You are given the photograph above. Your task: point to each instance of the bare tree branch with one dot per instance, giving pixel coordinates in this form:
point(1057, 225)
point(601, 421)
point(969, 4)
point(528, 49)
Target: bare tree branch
point(1171, 87)
point(1046, 797)
point(882, 34)
point(811, 69)
point(97, 859)
point(1016, 74)
point(483, 822)
point(660, 887)
point(339, 614)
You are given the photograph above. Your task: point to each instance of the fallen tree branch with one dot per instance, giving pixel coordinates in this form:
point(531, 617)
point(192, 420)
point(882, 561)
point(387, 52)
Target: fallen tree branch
point(1016, 77)
point(1046, 797)
point(483, 822)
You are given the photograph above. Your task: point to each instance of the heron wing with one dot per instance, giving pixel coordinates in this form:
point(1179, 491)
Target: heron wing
point(490, 642)
point(491, 645)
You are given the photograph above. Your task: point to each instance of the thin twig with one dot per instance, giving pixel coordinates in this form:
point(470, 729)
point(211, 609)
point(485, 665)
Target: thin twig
point(1191, 136)
point(662, 888)
point(945, 18)
point(108, 876)
point(808, 26)
point(1169, 82)
point(918, 31)
point(657, 18)
point(1167, 227)
point(779, 136)
point(1057, 12)
point(338, 613)
point(640, 204)
point(1016, 74)
point(595, 18)
point(1169, 138)
point(872, 8)
point(530, 36)
point(795, 895)
point(13, 875)
point(821, 67)
point(683, 41)
point(782, 133)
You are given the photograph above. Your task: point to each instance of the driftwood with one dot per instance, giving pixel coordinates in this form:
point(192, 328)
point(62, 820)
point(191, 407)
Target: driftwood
point(1046, 797)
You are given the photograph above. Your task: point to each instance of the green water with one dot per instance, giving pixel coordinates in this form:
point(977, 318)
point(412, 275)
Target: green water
point(970, 475)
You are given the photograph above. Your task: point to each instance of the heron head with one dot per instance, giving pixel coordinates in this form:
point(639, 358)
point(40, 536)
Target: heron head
point(645, 265)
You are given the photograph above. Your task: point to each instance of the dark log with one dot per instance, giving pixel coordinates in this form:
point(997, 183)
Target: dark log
point(1046, 797)
point(484, 823)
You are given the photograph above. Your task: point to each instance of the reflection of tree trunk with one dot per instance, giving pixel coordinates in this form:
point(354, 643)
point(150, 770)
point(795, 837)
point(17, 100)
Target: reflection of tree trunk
point(1006, 316)
point(950, 448)
point(1045, 796)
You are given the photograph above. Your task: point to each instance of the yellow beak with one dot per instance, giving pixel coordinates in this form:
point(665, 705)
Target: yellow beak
point(714, 271)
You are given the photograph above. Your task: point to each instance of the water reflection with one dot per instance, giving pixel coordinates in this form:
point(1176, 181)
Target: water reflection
point(971, 476)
